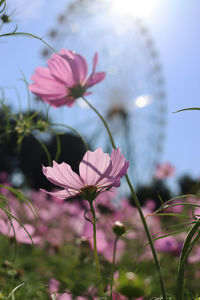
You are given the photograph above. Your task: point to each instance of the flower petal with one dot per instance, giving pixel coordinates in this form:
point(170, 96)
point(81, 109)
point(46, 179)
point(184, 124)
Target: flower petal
point(70, 58)
point(95, 78)
point(61, 70)
point(62, 194)
point(47, 94)
point(119, 165)
point(94, 166)
point(69, 101)
point(82, 67)
point(63, 176)
point(95, 60)
point(45, 84)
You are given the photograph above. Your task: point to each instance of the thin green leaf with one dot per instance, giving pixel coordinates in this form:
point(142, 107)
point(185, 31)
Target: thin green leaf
point(45, 149)
point(2, 2)
point(181, 204)
point(174, 199)
point(22, 198)
point(190, 108)
point(26, 34)
point(14, 290)
point(18, 221)
point(191, 247)
point(182, 259)
point(11, 224)
point(19, 141)
point(174, 215)
point(161, 200)
point(27, 90)
point(58, 147)
point(168, 234)
point(180, 224)
point(18, 98)
point(6, 111)
point(47, 113)
point(181, 197)
point(31, 117)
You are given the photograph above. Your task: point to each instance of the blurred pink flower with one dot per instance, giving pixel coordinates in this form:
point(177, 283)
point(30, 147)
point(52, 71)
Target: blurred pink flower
point(105, 238)
point(65, 79)
point(195, 256)
point(54, 288)
point(98, 172)
point(168, 244)
point(175, 209)
point(15, 230)
point(164, 171)
point(105, 201)
point(150, 204)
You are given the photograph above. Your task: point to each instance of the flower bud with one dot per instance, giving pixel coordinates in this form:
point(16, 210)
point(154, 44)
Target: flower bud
point(5, 18)
point(7, 264)
point(42, 125)
point(119, 228)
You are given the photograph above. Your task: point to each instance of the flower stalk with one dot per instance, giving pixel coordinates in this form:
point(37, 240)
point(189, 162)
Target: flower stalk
point(136, 201)
point(95, 250)
point(113, 265)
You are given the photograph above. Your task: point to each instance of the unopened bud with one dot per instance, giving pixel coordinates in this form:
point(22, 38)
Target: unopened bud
point(119, 228)
point(5, 18)
point(42, 125)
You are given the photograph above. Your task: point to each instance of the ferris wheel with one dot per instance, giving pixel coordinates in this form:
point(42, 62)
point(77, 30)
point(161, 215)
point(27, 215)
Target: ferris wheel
point(132, 97)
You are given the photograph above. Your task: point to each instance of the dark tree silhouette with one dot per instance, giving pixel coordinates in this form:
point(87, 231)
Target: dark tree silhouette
point(155, 191)
point(29, 156)
point(32, 157)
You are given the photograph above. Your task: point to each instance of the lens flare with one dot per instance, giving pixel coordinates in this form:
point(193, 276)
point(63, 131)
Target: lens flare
point(134, 7)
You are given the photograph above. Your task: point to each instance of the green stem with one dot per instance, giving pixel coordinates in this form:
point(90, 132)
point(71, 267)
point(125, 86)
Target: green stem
point(95, 250)
point(137, 203)
point(104, 122)
point(44, 148)
point(2, 2)
point(27, 35)
point(162, 285)
point(113, 265)
point(184, 254)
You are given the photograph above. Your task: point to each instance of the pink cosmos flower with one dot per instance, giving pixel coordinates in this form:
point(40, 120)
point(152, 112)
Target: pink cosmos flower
point(65, 79)
point(98, 172)
point(164, 171)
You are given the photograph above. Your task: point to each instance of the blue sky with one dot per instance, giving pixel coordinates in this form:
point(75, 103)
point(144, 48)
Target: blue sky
point(174, 26)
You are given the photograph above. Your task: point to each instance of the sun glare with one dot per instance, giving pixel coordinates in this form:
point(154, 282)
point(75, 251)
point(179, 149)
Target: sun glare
point(138, 8)
point(143, 101)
